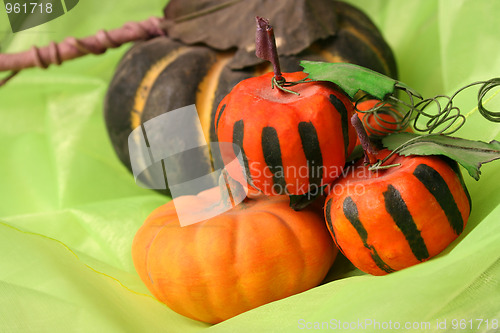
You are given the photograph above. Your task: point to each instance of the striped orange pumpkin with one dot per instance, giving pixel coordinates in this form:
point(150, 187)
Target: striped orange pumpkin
point(391, 219)
point(258, 252)
point(385, 121)
point(290, 144)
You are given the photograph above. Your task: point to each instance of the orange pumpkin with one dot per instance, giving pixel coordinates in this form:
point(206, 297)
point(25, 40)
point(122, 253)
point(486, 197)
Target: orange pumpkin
point(391, 219)
point(258, 252)
point(387, 119)
point(290, 144)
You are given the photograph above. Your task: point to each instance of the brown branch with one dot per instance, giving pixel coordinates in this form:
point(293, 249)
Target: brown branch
point(265, 46)
point(70, 48)
point(370, 151)
point(8, 77)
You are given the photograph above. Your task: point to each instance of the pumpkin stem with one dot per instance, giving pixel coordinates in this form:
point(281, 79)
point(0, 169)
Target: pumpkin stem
point(265, 47)
point(370, 150)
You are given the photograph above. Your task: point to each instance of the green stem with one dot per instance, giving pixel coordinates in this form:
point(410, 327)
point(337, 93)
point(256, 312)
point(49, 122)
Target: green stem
point(379, 165)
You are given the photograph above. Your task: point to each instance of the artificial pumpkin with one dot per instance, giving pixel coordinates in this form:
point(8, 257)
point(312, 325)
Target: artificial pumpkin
point(258, 252)
point(385, 120)
point(290, 144)
point(390, 219)
point(164, 74)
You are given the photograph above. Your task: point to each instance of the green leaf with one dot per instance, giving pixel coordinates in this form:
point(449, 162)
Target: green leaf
point(468, 153)
point(352, 78)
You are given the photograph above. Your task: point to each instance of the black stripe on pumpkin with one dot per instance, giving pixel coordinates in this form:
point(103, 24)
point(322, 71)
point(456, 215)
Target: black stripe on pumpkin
point(351, 213)
point(456, 169)
point(238, 134)
point(328, 216)
point(437, 186)
point(223, 107)
point(396, 207)
point(344, 118)
point(272, 155)
point(312, 151)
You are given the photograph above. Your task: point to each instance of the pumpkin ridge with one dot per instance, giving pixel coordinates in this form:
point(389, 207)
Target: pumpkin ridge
point(351, 213)
point(249, 223)
point(148, 251)
point(237, 251)
point(296, 240)
point(155, 286)
point(181, 272)
point(396, 207)
point(212, 298)
point(294, 282)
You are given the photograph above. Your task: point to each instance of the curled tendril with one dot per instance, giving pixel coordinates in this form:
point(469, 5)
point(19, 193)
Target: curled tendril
point(446, 120)
point(485, 88)
point(281, 84)
point(385, 125)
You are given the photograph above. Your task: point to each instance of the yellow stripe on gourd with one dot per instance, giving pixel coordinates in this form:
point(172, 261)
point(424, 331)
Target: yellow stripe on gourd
point(207, 88)
point(359, 35)
point(147, 82)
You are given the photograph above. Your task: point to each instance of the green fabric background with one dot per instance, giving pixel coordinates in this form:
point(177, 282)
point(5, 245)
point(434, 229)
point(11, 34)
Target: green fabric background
point(69, 210)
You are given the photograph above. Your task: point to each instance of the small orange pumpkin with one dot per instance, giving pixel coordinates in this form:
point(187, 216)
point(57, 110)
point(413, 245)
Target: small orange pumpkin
point(391, 219)
point(258, 252)
point(387, 119)
point(290, 144)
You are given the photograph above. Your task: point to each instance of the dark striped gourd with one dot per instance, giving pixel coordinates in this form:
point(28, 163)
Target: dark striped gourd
point(395, 218)
point(163, 74)
point(290, 144)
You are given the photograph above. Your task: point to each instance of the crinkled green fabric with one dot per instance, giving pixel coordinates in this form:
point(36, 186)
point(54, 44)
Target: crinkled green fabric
point(69, 210)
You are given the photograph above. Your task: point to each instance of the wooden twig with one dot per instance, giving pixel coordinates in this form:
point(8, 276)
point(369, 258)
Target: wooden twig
point(71, 47)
